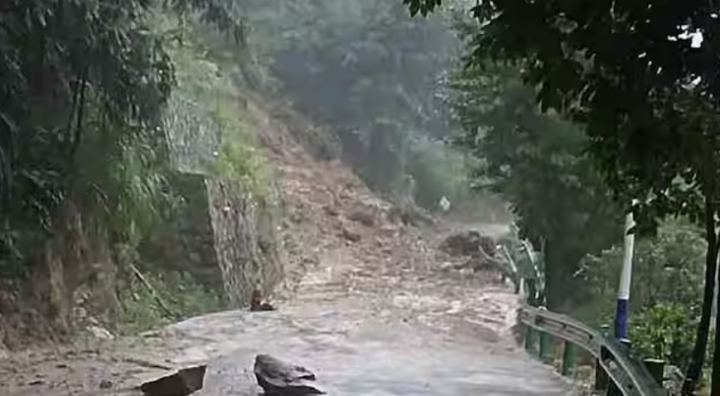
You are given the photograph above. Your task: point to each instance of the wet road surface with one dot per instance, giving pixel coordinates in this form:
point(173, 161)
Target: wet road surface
point(385, 329)
point(374, 333)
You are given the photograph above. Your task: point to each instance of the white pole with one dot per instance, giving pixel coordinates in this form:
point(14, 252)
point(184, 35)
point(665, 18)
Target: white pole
point(623, 296)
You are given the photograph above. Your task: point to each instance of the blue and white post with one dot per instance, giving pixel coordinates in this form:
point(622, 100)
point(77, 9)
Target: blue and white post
point(623, 296)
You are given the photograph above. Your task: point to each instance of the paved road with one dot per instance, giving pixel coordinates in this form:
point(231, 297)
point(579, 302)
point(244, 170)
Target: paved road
point(390, 328)
point(369, 332)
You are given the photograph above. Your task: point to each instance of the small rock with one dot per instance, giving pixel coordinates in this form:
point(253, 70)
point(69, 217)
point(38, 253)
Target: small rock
point(181, 383)
point(297, 217)
point(100, 333)
point(363, 217)
point(105, 384)
point(150, 334)
point(350, 235)
point(447, 266)
point(282, 379)
point(467, 243)
point(257, 303)
point(330, 210)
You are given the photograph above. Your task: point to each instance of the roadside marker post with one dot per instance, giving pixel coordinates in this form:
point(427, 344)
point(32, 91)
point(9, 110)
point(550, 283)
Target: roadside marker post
point(623, 296)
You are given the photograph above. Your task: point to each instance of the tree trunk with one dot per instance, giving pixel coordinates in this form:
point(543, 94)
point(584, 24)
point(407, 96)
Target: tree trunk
point(692, 378)
point(552, 292)
point(559, 283)
point(715, 379)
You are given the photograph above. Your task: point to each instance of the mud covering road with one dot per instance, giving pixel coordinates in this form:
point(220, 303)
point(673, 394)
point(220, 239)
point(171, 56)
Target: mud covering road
point(363, 329)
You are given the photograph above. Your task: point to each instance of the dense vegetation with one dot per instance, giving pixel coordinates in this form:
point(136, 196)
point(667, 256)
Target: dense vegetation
point(376, 78)
point(640, 81)
point(628, 108)
point(535, 161)
point(84, 159)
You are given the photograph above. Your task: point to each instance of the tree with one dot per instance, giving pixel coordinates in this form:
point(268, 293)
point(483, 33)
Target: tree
point(646, 90)
point(536, 163)
point(369, 72)
point(83, 85)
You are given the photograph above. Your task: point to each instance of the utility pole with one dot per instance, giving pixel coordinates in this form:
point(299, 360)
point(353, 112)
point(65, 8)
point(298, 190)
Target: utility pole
point(623, 296)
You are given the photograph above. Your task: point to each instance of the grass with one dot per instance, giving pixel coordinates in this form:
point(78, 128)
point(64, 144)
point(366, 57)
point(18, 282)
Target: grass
point(212, 103)
point(181, 294)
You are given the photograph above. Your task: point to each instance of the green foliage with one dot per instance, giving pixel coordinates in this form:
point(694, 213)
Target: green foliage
point(123, 181)
point(180, 293)
point(206, 82)
point(439, 171)
point(644, 85)
point(97, 59)
point(665, 331)
point(633, 75)
point(82, 85)
point(536, 162)
point(246, 166)
point(375, 77)
point(423, 7)
point(665, 295)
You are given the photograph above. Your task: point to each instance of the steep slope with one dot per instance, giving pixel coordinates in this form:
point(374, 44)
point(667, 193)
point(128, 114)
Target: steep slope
point(328, 207)
point(347, 236)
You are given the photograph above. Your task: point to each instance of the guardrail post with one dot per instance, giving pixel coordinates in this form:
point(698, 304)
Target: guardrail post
point(546, 342)
point(601, 377)
point(568, 362)
point(656, 367)
point(529, 338)
point(613, 389)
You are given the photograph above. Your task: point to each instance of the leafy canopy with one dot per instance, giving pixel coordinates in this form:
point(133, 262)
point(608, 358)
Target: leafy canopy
point(80, 78)
point(625, 71)
point(535, 162)
point(373, 75)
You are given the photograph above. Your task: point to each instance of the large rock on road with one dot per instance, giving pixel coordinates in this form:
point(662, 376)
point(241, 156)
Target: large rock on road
point(278, 378)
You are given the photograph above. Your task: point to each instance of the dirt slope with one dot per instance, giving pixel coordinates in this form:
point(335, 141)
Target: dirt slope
point(329, 207)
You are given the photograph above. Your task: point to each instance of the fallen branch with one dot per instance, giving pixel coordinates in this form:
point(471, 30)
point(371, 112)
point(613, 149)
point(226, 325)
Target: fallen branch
point(146, 363)
point(154, 292)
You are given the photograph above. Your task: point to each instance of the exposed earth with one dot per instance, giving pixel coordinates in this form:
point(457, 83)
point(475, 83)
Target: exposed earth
point(369, 307)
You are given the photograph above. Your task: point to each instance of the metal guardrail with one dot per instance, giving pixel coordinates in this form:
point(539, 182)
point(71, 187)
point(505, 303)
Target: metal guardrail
point(630, 375)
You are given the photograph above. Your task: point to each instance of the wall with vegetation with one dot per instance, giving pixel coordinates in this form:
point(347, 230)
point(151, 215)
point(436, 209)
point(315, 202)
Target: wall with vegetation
point(225, 229)
point(116, 165)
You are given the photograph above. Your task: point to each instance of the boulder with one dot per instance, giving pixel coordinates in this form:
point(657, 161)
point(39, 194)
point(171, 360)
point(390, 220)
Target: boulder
point(468, 243)
point(278, 378)
point(257, 303)
point(365, 217)
point(351, 235)
point(182, 383)
point(100, 333)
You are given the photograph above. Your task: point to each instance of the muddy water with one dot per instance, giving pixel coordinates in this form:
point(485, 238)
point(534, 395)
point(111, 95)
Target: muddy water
point(377, 328)
point(374, 332)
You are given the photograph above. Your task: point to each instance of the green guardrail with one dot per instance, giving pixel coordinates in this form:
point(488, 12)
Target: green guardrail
point(617, 370)
point(613, 360)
